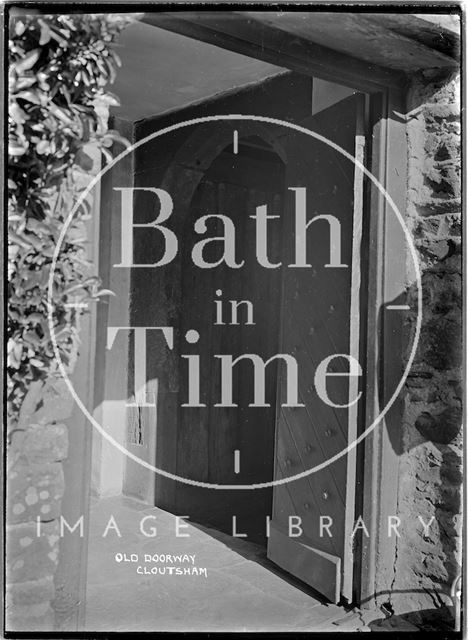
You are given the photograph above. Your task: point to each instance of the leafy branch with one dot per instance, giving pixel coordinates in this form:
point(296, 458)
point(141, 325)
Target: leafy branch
point(59, 68)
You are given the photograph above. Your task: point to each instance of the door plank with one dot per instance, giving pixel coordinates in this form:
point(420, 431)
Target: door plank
point(306, 494)
point(287, 503)
point(299, 425)
point(313, 566)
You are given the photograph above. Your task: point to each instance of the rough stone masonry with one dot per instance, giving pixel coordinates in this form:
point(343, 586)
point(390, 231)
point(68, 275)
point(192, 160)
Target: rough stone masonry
point(38, 446)
point(430, 468)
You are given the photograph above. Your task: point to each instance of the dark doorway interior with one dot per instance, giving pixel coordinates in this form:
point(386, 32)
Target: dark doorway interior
point(234, 185)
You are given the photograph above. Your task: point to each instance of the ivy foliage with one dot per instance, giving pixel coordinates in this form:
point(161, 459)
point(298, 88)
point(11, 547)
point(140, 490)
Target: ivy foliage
point(59, 68)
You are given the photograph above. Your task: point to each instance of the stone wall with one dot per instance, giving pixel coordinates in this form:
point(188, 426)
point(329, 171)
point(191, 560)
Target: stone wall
point(38, 460)
point(430, 468)
point(35, 488)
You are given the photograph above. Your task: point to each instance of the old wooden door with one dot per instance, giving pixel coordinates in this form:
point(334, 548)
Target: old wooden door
point(208, 437)
point(320, 318)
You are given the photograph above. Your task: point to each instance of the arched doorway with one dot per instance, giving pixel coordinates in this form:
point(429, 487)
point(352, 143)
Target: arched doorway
point(234, 311)
point(319, 316)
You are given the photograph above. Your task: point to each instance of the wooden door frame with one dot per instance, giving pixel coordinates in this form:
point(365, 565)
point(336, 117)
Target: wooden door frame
point(386, 88)
point(380, 461)
point(379, 484)
point(376, 456)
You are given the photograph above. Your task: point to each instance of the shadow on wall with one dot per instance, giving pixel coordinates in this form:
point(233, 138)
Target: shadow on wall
point(426, 620)
point(446, 618)
point(433, 387)
point(428, 441)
